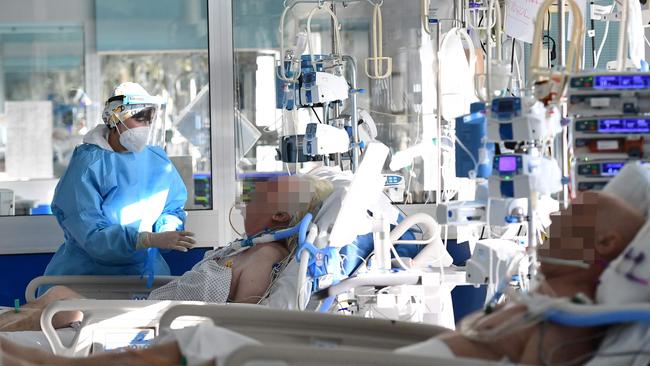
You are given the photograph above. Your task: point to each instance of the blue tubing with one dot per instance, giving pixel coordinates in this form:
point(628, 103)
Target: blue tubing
point(300, 229)
point(286, 233)
point(304, 226)
point(327, 303)
point(598, 319)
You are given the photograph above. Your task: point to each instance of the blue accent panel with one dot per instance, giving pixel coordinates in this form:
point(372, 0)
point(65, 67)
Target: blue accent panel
point(505, 131)
point(508, 189)
point(261, 175)
point(471, 130)
point(466, 299)
point(42, 210)
point(408, 250)
point(17, 270)
point(180, 262)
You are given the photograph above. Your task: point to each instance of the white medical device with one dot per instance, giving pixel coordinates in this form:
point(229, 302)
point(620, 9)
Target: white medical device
point(322, 139)
point(512, 176)
point(522, 119)
point(502, 212)
point(609, 94)
point(507, 211)
point(461, 213)
point(493, 260)
point(7, 202)
point(405, 157)
point(365, 188)
point(394, 187)
point(611, 127)
point(322, 87)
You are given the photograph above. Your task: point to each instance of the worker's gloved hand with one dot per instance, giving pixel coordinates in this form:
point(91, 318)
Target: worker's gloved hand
point(175, 240)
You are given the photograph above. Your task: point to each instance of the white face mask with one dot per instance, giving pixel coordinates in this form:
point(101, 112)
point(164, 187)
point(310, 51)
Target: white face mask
point(135, 139)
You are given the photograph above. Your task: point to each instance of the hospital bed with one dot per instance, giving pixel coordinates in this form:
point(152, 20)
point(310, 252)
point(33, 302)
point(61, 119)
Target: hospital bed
point(99, 287)
point(296, 336)
point(310, 356)
point(108, 324)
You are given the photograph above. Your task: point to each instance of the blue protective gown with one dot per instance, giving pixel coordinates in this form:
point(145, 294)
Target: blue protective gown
point(104, 200)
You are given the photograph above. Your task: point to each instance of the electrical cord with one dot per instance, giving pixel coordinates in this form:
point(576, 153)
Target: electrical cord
point(552, 55)
point(602, 42)
point(316, 114)
point(230, 221)
point(480, 21)
point(512, 56)
point(593, 39)
point(548, 32)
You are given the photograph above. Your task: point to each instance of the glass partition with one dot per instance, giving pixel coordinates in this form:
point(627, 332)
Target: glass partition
point(59, 64)
point(401, 105)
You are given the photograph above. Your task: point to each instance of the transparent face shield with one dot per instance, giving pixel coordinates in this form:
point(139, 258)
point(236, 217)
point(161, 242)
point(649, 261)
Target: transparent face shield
point(157, 127)
point(141, 111)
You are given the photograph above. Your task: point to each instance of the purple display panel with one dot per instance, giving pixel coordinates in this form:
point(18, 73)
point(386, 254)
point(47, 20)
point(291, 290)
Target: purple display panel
point(624, 125)
point(622, 82)
point(507, 164)
point(610, 169)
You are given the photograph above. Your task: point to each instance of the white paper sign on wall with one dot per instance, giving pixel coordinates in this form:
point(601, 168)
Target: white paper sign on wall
point(520, 18)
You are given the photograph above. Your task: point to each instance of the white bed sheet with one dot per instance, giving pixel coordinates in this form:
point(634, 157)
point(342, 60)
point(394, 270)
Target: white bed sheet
point(37, 339)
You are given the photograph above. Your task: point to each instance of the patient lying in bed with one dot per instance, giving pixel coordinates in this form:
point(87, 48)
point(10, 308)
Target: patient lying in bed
point(596, 229)
point(226, 274)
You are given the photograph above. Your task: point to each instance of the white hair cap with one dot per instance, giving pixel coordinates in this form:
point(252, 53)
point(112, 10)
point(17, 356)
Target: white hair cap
point(129, 88)
point(632, 184)
point(117, 109)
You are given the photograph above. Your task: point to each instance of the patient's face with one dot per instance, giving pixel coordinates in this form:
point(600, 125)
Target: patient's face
point(596, 226)
point(271, 199)
point(573, 232)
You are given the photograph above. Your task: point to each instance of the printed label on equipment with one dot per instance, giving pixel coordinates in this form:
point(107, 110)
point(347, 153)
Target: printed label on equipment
point(114, 339)
point(599, 102)
point(607, 145)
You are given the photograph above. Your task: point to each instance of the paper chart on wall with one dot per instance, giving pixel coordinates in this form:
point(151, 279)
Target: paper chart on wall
point(29, 152)
point(520, 18)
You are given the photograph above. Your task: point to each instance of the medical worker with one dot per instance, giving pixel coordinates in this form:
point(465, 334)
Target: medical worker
point(121, 198)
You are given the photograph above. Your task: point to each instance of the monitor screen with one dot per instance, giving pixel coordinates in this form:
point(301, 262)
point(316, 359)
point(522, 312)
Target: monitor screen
point(621, 81)
point(507, 164)
point(641, 125)
point(506, 105)
point(610, 169)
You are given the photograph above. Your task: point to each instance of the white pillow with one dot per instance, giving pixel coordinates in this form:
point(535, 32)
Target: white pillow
point(626, 278)
point(632, 184)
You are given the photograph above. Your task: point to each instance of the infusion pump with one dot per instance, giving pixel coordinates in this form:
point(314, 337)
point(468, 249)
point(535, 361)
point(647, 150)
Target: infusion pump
point(611, 124)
